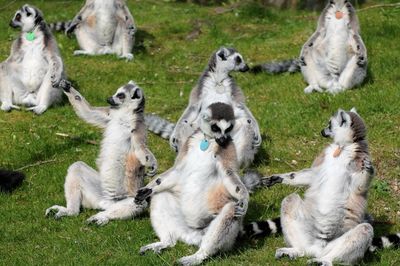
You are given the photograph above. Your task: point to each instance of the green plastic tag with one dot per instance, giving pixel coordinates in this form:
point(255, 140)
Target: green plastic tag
point(30, 36)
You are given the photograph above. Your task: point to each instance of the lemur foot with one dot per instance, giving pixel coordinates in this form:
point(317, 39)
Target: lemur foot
point(291, 253)
point(142, 194)
point(319, 262)
point(29, 100)
point(335, 88)
point(8, 107)
point(38, 109)
point(58, 212)
point(81, 52)
point(99, 219)
point(155, 247)
point(271, 180)
point(312, 88)
point(128, 56)
point(191, 260)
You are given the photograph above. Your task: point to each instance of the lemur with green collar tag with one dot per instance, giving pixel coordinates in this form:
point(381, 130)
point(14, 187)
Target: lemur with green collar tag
point(201, 199)
point(31, 73)
point(215, 85)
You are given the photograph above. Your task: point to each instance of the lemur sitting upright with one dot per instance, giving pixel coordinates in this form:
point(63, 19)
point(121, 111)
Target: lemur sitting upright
point(334, 58)
point(201, 199)
point(31, 73)
point(102, 27)
point(122, 160)
point(330, 224)
point(216, 85)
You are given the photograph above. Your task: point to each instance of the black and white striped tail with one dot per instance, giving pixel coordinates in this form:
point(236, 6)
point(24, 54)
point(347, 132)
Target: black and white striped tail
point(291, 66)
point(59, 26)
point(387, 241)
point(263, 228)
point(159, 126)
point(9, 180)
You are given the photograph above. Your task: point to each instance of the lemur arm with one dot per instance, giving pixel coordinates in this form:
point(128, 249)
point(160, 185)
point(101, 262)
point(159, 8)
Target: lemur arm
point(252, 123)
point(125, 16)
point(55, 62)
point(165, 181)
point(97, 116)
point(362, 177)
point(79, 17)
point(145, 156)
point(361, 50)
point(301, 178)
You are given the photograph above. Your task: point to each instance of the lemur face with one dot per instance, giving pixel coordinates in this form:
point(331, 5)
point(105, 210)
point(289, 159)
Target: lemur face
point(129, 95)
point(228, 59)
point(345, 127)
point(26, 18)
point(339, 5)
point(218, 121)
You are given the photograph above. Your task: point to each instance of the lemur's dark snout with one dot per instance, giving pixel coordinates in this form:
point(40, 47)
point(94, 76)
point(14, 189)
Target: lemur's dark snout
point(111, 101)
point(323, 133)
point(223, 141)
point(13, 25)
point(245, 68)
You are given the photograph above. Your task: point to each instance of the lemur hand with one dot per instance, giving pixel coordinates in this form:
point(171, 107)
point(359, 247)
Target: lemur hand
point(142, 194)
point(241, 207)
point(367, 165)
point(65, 85)
point(271, 180)
point(151, 164)
point(131, 30)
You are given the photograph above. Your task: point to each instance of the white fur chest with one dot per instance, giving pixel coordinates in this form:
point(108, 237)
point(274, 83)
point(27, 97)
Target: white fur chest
point(106, 21)
point(33, 64)
point(213, 92)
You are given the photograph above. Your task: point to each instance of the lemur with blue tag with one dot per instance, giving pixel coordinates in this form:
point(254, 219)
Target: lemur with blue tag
point(201, 199)
point(31, 73)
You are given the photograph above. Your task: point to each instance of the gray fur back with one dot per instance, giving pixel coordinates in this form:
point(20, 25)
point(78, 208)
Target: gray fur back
point(159, 126)
point(59, 26)
point(291, 66)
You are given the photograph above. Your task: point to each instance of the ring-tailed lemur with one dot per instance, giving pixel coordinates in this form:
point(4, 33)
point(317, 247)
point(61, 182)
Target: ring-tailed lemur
point(10, 180)
point(334, 57)
point(102, 27)
point(122, 160)
point(330, 224)
point(201, 199)
point(216, 85)
point(30, 74)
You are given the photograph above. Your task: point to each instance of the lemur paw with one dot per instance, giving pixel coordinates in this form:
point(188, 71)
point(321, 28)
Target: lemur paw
point(57, 212)
point(8, 107)
point(155, 247)
point(38, 109)
point(312, 88)
point(99, 219)
point(271, 180)
point(65, 85)
point(286, 252)
point(367, 165)
point(131, 30)
point(361, 60)
point(153, 166)
point(142, 194)
point(128, 56)
point(190, 260)
point(174, 143)
point(241, 208)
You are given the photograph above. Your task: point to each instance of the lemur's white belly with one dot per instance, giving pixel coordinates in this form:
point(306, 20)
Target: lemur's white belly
point(33, 66)
point(337, 45)
point(106, 23)
point(112, 160)
point(200, 173)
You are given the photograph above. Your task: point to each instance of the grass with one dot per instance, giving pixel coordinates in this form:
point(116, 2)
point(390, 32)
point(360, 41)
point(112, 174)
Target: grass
point(166, 65)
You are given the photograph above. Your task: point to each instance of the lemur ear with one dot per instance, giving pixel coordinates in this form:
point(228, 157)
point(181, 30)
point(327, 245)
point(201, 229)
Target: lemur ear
point(353, 110)
point(137, 94)
point(343, 117)
point(205, 117)
point(222, 53)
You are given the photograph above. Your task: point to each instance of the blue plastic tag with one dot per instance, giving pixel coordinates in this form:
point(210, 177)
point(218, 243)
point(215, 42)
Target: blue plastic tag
point(204, 145)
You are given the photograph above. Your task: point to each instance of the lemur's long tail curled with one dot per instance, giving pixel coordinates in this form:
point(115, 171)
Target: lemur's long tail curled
point(10, 180)
point(276, 67)
point(59, 26)
point(387, 241)
point(159, 125)
point(263, 228)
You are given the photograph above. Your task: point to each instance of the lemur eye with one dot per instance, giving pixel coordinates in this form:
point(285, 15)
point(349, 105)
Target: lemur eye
point(332, 2)
point(330, 125)
point(215, 128)
point(18, 17)
point(121, 95)
point(229, 129)
point(238, 60)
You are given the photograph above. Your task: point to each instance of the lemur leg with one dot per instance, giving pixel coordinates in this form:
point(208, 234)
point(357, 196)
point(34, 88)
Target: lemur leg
point(220, 235)
point(348, 248)
point(120, 210)
point(7, 84)
point(82, 188)
point(168, 223)
point(352, 74)
point(294, 216)
point(301, 178)
point(315, 75)
point(184, 127)
point(86, 42)
point(46, 95)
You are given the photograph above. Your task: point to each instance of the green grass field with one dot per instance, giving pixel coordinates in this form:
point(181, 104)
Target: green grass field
point(166, 66)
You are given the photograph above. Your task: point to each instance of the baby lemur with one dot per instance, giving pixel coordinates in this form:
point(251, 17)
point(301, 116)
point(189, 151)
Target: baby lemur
point(216, 85)
point(122, 160)
point(201, 199)
point(330, 224)
point(334, 58)
point(31, 73)
point(103, 27)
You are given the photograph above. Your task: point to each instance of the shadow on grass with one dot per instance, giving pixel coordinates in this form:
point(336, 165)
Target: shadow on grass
point(141, 37)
